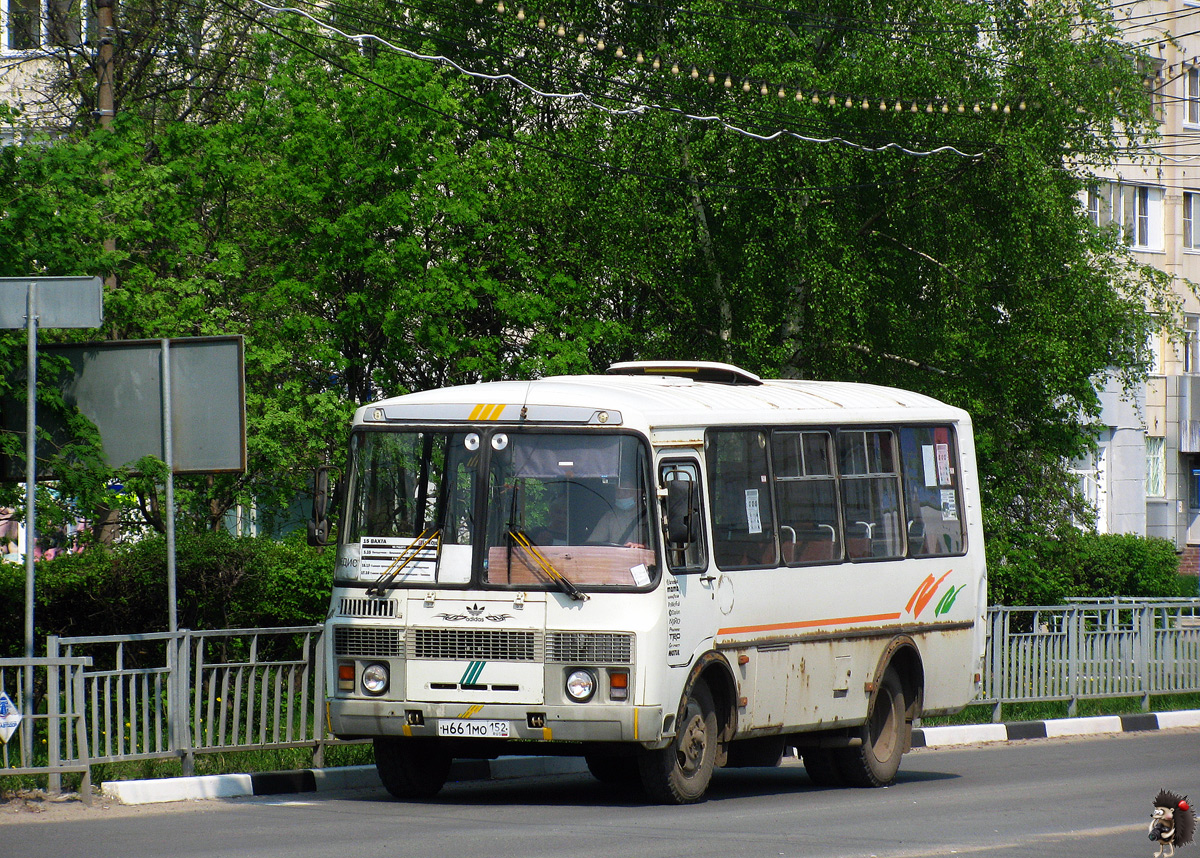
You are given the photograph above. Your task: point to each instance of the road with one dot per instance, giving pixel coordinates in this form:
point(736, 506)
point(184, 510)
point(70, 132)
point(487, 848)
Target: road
point(1083, 796)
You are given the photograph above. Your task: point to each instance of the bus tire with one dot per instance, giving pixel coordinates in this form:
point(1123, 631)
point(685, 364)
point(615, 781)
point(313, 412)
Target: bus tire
point(822, 767)
point(680, 772)
point(411, 768)
point(876, 761)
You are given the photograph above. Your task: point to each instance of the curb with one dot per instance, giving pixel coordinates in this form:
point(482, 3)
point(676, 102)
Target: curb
point(157, 790)
point(365, 777)
point(940, 737)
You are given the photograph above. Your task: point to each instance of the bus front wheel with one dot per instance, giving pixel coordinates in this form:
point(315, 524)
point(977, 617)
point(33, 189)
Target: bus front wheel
point(680, 773)
point(411, 768)
point(877, 760)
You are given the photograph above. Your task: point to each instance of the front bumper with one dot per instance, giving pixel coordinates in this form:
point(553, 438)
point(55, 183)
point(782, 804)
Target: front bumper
point(561, 723)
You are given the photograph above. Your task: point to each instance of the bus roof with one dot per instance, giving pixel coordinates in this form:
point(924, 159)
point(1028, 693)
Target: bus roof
point(659, 401)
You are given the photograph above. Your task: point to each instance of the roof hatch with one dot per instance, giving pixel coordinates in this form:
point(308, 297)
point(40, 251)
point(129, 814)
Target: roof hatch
point(698, 370)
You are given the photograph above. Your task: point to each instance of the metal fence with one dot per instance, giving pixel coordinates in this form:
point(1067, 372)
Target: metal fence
point(164, 695)
point(133, 697)
point(51, 738)
point(1091, 649)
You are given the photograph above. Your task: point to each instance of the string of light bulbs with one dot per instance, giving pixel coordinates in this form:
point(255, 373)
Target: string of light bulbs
point(612, 169)
point(639, 109)
point(730, 81)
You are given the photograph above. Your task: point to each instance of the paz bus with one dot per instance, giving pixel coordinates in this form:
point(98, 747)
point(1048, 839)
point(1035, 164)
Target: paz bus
point(665, 569)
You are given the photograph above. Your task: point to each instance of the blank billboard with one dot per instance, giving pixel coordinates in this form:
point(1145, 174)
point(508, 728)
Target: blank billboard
point(118, 385)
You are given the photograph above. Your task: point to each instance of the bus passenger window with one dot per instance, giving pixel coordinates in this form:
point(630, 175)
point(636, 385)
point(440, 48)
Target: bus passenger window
point(742, 511)
point(870, 494)
point(687, 556)
point(932, 492)
point(806, 497)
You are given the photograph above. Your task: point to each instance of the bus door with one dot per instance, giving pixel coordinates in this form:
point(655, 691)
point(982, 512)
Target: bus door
point(691, 588)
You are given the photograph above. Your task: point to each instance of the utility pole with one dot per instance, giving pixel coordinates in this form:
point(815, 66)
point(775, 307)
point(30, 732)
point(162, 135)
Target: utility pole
point(104, 72)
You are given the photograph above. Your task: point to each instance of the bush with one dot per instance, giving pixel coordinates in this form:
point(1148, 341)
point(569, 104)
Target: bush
point(222, 582)
point(1045, 570)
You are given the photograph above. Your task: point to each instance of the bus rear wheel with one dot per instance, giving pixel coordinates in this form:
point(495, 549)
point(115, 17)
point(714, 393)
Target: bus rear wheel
point(680, 773)
point(876, 761)
point(411, 768)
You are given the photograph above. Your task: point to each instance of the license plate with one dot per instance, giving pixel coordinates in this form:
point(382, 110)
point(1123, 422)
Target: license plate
point(474, 729)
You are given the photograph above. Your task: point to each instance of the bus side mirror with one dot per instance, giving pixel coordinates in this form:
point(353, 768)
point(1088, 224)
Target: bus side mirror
point(318, 526)
point(681, 528)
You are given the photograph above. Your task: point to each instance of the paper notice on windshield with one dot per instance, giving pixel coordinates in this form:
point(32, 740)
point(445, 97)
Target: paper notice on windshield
point(386, 554)
point(753, 515)
point(641, 575)
point(949, 505)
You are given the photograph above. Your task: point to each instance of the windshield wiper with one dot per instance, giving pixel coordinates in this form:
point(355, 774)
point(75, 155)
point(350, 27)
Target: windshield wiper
point(408, 555)
point(543, 565)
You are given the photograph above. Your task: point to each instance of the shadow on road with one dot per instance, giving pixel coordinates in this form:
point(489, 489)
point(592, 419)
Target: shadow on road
point(582, 790)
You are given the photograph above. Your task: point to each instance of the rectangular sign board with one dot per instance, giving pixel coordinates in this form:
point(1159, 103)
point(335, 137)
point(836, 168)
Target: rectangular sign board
point(118, 386)
point(60, 302)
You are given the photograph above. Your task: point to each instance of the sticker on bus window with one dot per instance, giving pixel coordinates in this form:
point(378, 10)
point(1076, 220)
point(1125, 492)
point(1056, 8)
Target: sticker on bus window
point(753, 516)
point(930, 466)
point(949, 505)
point(641, 575)
point(943, 464)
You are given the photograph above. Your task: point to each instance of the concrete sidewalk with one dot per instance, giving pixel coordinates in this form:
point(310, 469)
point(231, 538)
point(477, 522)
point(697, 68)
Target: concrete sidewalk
point(365, 777)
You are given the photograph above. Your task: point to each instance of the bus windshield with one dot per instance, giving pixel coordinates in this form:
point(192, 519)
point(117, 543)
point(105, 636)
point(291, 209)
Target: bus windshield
point(520, 510)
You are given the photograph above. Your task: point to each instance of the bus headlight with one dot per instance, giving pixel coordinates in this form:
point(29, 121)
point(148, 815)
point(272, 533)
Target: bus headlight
point(375, 678)
point(581, 685)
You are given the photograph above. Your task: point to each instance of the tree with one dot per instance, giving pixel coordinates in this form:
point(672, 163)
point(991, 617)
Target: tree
point(376, 223)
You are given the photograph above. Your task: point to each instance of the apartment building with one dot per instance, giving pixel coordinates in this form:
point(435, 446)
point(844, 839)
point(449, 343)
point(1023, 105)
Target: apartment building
point(29, 29)
point(1145, 477)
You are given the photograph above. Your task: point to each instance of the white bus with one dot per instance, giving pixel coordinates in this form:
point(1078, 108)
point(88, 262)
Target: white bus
point(665, 569)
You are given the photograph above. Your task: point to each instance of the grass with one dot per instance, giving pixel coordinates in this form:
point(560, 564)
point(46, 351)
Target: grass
point(1047, 710)
point(218, 763)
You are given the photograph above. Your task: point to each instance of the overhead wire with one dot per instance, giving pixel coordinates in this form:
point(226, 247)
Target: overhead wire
point(724, 185)
point(635, 110)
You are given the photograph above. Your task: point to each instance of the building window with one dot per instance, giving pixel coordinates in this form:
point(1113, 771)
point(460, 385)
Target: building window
point(1191, 344)
point(30, 25)
point(1156, 467)
point(1138, 209)
point(1192, 111)
point(1097, 206)
point(1191, 220)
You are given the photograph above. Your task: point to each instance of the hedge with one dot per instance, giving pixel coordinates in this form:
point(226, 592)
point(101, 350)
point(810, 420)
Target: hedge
point(1045, 570)
point(222, 582)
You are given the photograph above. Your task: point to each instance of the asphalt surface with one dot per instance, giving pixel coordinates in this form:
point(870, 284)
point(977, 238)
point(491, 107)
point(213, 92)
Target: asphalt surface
point(365, 777)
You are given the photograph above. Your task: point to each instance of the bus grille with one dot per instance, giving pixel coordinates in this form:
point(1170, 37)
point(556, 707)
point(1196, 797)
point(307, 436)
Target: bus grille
point(474, 644)
point(367, 608)
point(367, 642)
point(589, 648)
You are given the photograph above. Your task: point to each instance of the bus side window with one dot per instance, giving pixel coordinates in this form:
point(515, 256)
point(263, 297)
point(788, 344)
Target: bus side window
point(742, 510)
point(806, 497)
point(870, 483)
point(687, 556)
point(932, 494)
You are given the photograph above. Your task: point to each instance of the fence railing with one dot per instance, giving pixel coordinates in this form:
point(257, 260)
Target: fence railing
point(131, 697)
point(49, 739)
point(166, 695)
point(1091, 650)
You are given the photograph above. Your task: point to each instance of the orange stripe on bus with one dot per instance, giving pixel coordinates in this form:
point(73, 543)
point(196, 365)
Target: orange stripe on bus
point(808, 624)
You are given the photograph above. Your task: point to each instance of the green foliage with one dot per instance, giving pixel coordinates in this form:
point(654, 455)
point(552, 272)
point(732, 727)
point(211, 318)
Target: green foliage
point(222, 582)
point(1044, 570)
point(374, 224)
